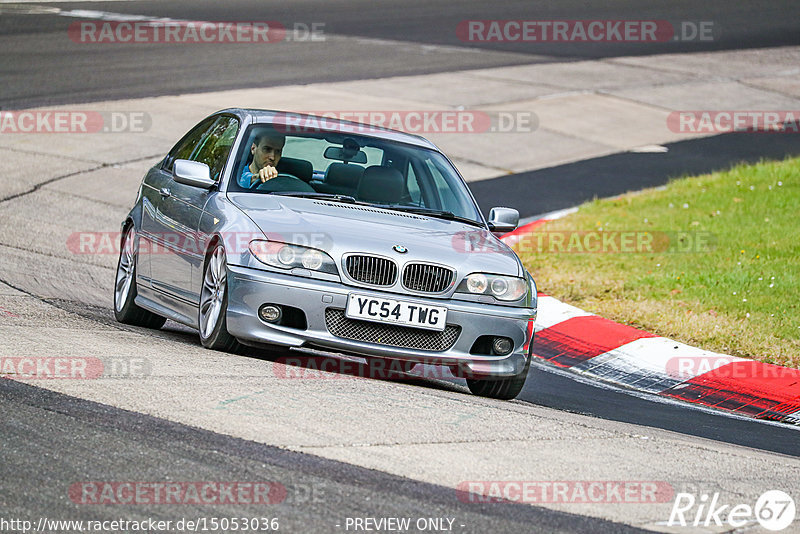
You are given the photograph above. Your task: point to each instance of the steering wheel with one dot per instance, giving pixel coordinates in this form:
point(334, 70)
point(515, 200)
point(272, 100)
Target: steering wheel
point(285, 182)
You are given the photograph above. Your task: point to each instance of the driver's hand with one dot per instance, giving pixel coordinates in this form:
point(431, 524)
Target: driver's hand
point(267, 173)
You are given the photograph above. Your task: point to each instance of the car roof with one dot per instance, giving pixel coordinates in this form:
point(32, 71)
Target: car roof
point(307, 122)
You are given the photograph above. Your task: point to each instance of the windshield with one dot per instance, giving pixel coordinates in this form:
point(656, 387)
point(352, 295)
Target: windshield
point(372, 171)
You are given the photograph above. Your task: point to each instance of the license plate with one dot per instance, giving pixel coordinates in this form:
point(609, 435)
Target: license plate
point(381, 310)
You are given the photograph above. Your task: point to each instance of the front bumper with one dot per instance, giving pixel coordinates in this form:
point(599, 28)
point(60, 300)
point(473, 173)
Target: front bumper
point(248, 289)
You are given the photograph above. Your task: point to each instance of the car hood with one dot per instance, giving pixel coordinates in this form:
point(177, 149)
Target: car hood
point(340, 228)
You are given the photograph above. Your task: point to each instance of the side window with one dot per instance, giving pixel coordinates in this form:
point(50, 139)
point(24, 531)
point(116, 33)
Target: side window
point(216, 145)
point(186, 146)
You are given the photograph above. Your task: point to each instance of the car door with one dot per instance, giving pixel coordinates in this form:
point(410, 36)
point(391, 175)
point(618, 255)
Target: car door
point(177, 216)
point(215, 153)
point(154, 188)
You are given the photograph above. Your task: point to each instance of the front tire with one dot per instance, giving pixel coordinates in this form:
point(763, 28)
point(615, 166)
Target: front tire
point(125, 309)
point(500, 388)
point(212, 318)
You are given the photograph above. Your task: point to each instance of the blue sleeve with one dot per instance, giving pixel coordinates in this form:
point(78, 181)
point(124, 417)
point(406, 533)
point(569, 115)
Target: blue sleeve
point(245, 178)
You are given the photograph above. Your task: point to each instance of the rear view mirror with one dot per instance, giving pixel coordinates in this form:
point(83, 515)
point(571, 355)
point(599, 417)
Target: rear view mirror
point(502, 220)
point(192, 173)
point(343, 154)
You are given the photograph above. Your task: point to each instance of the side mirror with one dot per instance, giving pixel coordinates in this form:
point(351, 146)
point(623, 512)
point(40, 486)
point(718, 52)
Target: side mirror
point(502, 220)
point(192, 173)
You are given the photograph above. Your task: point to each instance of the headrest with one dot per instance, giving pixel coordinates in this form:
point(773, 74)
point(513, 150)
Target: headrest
point(381, 184)
point(296, 167)
point(343, 175)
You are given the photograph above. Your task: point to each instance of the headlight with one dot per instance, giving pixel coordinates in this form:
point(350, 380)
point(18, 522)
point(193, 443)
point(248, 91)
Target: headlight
point(286, 256)
point(506, 288)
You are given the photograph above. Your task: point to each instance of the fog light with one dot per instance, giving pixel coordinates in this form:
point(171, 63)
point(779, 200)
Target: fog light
point(270, 313)
point(502, 346)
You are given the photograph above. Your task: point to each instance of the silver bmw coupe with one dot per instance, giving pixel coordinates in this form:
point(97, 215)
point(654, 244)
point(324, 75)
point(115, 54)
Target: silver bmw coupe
point(294, 232)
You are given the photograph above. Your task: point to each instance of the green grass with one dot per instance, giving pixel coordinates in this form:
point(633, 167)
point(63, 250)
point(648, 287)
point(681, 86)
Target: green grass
point(738, 296)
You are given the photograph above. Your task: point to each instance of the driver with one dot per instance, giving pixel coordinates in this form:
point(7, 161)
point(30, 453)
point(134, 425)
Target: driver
point(266, 150)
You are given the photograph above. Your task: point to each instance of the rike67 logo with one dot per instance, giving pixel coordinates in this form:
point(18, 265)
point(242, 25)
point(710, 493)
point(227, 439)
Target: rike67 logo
point(774, 510)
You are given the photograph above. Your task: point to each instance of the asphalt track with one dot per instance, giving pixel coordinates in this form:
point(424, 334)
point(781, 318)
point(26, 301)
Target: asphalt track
point(365, 39)
point(564, 186)
point(320, 493)
point(38, 67)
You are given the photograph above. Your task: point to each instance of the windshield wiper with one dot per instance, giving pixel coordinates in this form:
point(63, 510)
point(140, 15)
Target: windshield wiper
point(321, 196)
point(439, 214)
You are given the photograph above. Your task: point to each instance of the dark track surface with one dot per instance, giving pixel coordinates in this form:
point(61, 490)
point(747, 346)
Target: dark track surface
point(41, 65)
point(56, 441)
point(564, 186)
